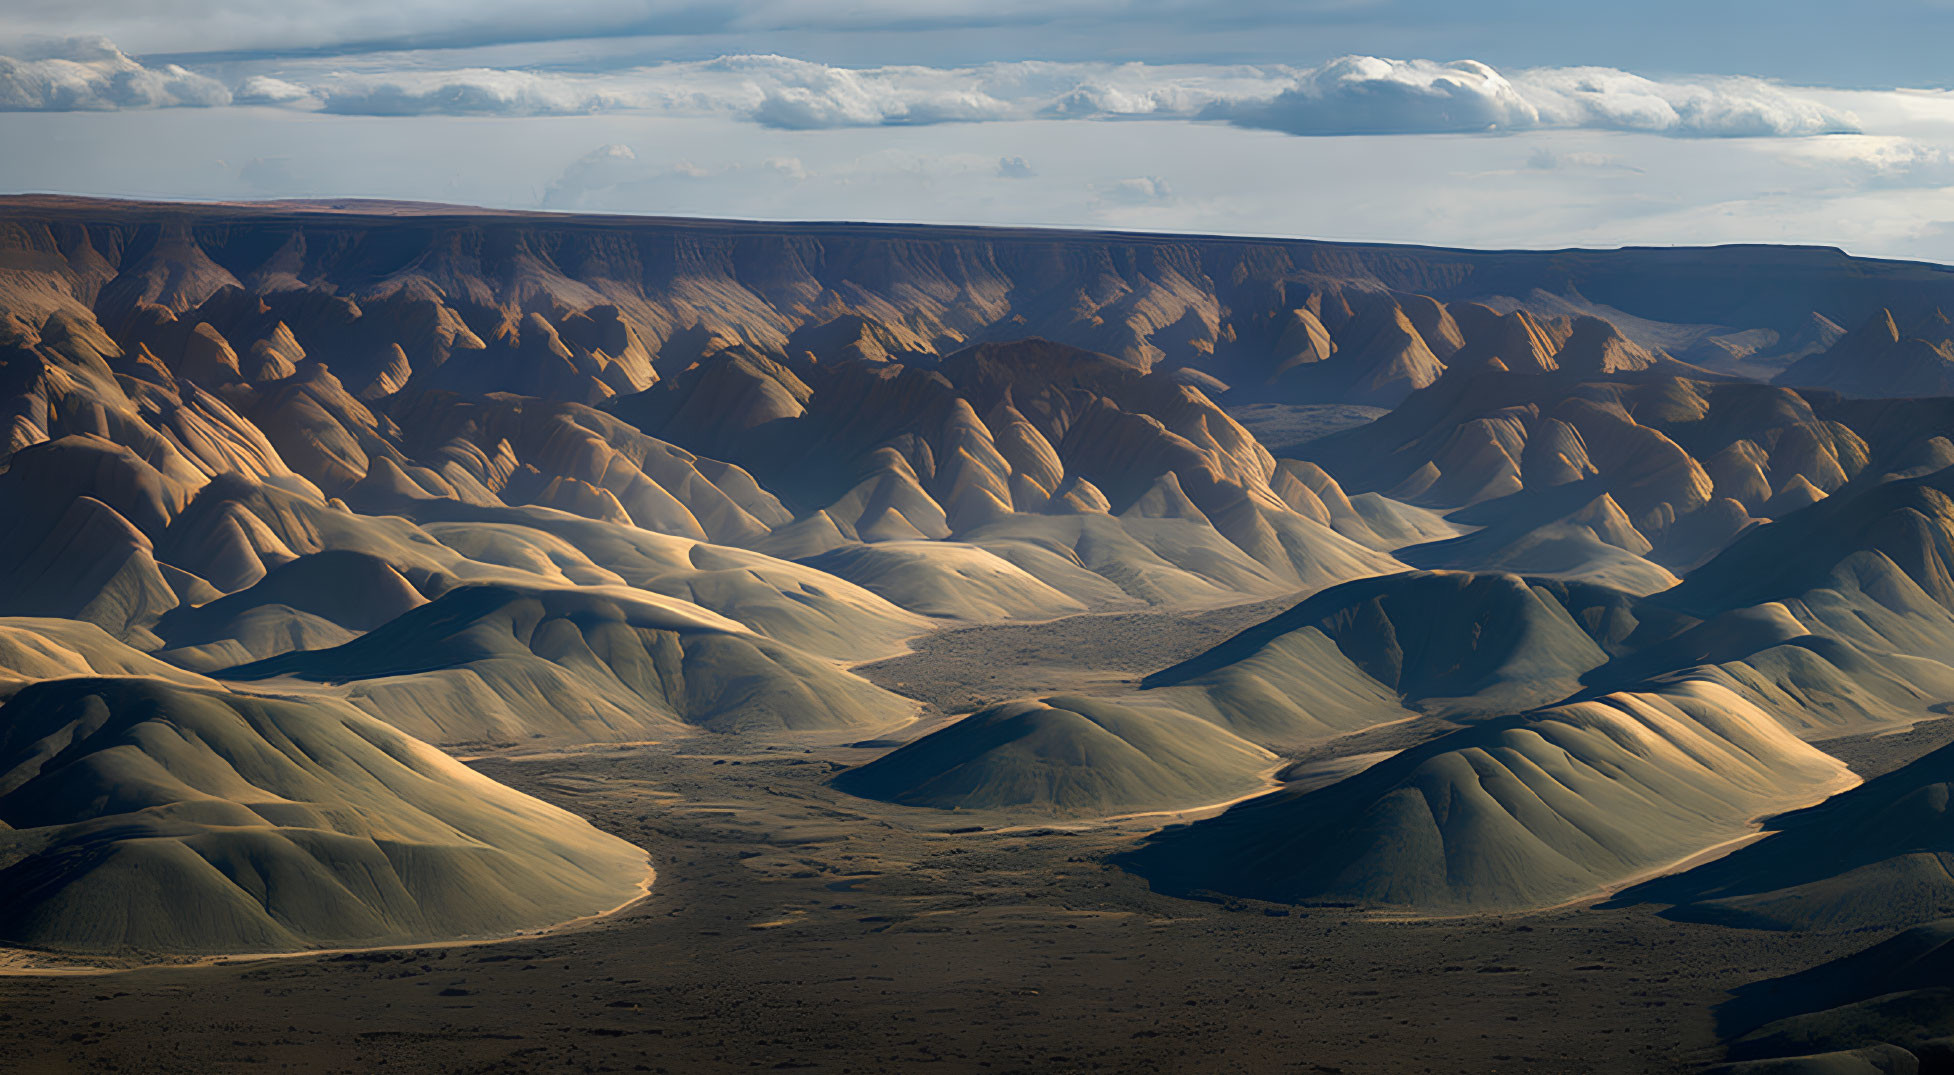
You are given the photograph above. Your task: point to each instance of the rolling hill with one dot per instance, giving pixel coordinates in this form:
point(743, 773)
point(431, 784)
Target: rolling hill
point(1065, 755)
point(497, 663)
point(1602, 557)
point(147, 817)
point(1515, 814)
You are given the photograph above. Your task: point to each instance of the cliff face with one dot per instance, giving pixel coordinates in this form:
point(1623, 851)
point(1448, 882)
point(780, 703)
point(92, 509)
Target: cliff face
point(195, 397)
point(680, 288)
point(795, 389)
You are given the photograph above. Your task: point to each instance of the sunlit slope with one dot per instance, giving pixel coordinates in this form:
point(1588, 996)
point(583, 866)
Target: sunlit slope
point(799, 605)
point(502, 663)
point(954, 581)
point(1520, 813)
point(1352, 657)
point(1065, 755)
point(146, 817)
point(1905, 524)
point(1876, 856)
point(36, 649)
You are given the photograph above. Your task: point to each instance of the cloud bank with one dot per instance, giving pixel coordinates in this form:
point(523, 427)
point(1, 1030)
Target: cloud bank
point(1353, 95)
point(1368, 95)
point(790, 94)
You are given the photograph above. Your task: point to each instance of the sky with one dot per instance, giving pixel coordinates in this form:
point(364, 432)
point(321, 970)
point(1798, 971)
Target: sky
point(1512, 123)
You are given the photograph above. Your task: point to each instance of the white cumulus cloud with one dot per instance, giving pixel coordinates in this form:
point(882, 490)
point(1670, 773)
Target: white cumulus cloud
point(811, 97)
point(1602, 97)
point(89, 74)
point(265, 90)
point(1368, 95)
point(474, 91)
point(1140, 190)
point(1880, 161)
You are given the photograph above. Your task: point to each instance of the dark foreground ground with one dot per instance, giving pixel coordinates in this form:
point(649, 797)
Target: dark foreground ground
point(792, 928)
point(795, 928)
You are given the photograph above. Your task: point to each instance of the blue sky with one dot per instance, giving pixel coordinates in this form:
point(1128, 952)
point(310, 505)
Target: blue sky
point(1482, 124)
point(1881, 43)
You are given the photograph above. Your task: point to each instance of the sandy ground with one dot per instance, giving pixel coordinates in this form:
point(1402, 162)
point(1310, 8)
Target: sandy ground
point(966, 668)
point(1879, 753)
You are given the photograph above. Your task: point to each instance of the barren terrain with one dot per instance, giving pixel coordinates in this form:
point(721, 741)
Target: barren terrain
point(792, 927)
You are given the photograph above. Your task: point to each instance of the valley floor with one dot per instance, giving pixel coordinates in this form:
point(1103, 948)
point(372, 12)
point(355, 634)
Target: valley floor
point(965, 668)
point(794, 927)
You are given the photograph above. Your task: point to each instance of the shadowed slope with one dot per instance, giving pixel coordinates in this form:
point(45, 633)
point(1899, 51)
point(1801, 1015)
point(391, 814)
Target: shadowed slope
point(1893, 999)
point(1370, 650)
point(1909, 522)
point(312, 602)
point(1880, 358)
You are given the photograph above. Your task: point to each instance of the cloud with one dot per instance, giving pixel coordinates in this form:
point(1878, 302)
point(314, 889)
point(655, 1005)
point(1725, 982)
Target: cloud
point(791, 167)
point(1219, 178)
point(1353, 95)
point(1143, 190)
point(812, 97)
point(1139, 90)
point(1369, 95)
point(480, 91)
point(601, 168)
point(742, 175)
point(89, 74)
point(228, 30)
point(1604, 98)
point(265, 90)
point(1881, 161)
point(1014, 168)
point(773, 91)
point(614, 175)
